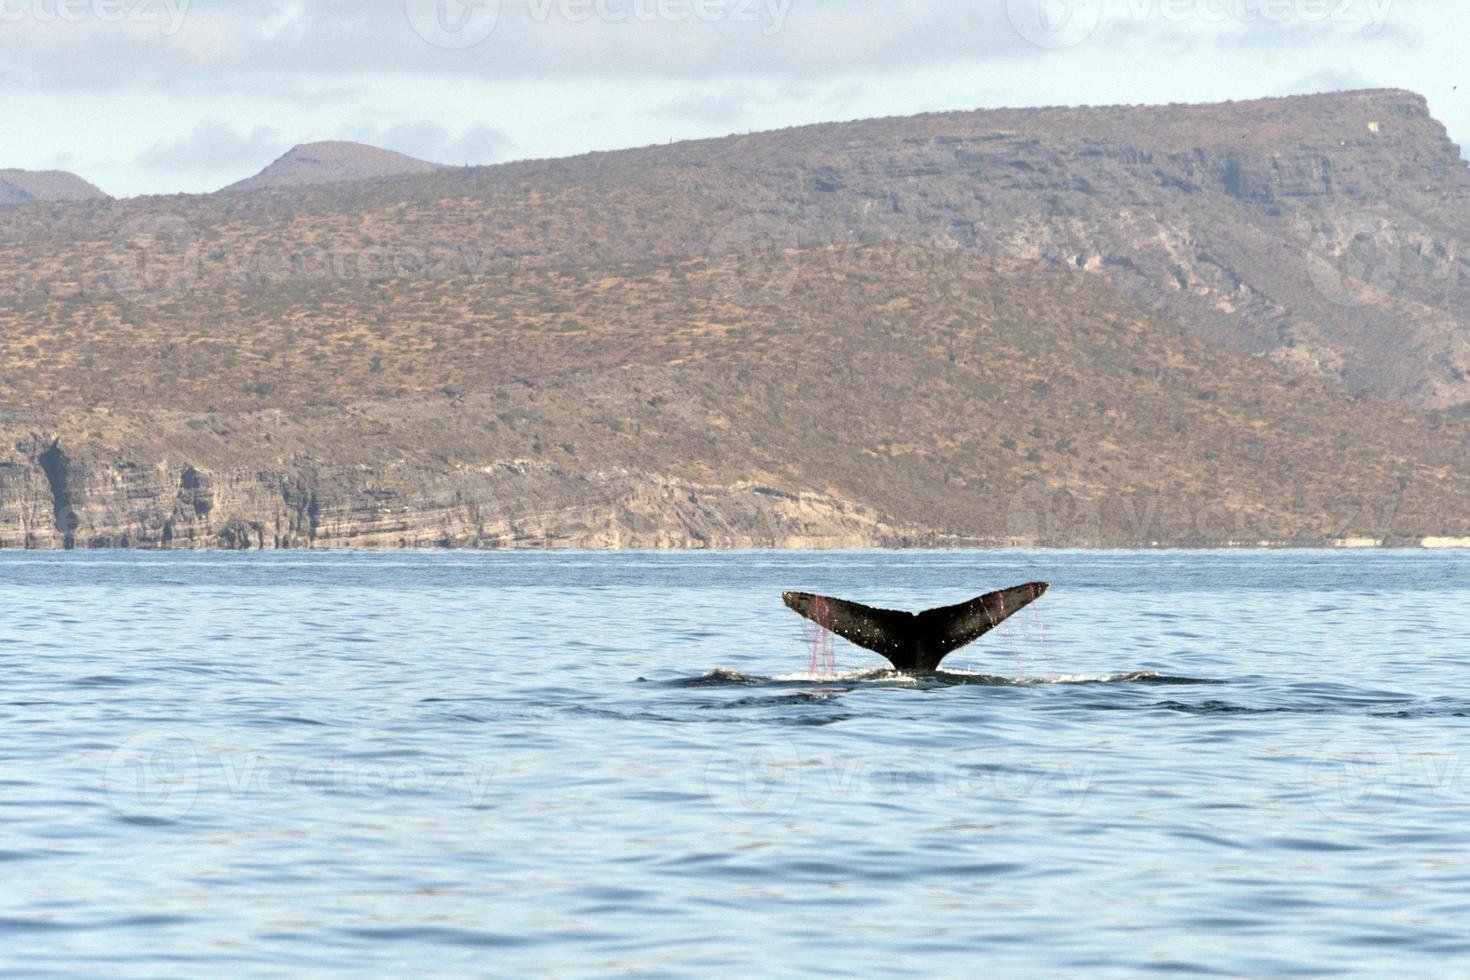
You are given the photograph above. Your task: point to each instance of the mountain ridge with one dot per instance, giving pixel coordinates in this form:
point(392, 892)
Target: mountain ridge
point(1181, 325)
point(19, 187)
point(329, 162)
point(1327, 232)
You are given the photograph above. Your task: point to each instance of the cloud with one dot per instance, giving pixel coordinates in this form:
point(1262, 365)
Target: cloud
point(215, 146)
point(717, 109)
point(600, 73)
point(1327, 80)
point(429, 141)
point(230, 45)
point(1181, 26)
point(234, 45)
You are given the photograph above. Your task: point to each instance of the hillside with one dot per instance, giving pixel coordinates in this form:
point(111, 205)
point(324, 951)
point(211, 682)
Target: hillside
point(885, 402)
point(1100, 326)
point(1326, 233)
point(38, 186)
point(332, 162)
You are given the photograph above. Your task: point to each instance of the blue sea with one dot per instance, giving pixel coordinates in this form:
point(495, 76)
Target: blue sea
point(307, 763)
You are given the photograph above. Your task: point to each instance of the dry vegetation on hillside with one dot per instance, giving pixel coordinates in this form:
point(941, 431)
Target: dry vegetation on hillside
point(959, 328)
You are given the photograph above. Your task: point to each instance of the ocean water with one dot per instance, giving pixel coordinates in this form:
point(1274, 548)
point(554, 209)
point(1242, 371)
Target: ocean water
point(1237, 763)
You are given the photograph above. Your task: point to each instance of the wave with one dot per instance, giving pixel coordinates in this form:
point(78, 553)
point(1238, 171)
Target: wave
point(723, 677)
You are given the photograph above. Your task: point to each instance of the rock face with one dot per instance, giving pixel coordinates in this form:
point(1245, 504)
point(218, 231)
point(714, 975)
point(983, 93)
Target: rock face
point(1328, 233)
point(1015, 410)
point(52, 499)
point(333, 162)
point(34, 186)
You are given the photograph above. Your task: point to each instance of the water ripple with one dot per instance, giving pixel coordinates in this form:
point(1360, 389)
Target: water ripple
point(450, 763)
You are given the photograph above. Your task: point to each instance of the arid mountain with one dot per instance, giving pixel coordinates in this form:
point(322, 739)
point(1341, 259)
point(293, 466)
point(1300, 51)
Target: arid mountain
point(333, 162)
point(1055, 326)
point(1327, 233)
point(35, 186)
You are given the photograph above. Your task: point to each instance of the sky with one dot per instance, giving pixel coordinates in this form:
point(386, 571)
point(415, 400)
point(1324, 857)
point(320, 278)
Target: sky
point(168, 96)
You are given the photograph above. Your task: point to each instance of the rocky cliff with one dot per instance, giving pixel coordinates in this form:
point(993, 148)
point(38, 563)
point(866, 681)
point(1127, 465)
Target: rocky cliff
point(879, 404)
point(54, 496)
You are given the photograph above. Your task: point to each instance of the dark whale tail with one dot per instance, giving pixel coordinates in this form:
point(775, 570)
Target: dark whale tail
point(916, 641)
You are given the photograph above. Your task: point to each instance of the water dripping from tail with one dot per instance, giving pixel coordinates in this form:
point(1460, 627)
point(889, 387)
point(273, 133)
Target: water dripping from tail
point(821, 641)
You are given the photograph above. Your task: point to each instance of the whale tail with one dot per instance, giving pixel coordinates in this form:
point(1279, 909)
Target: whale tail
point(915, 641)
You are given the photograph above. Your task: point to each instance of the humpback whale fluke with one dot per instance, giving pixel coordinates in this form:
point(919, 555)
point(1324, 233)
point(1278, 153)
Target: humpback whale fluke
point(916, 641)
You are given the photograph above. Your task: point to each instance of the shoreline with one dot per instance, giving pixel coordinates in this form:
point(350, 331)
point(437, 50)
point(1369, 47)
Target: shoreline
point(1431, 544)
